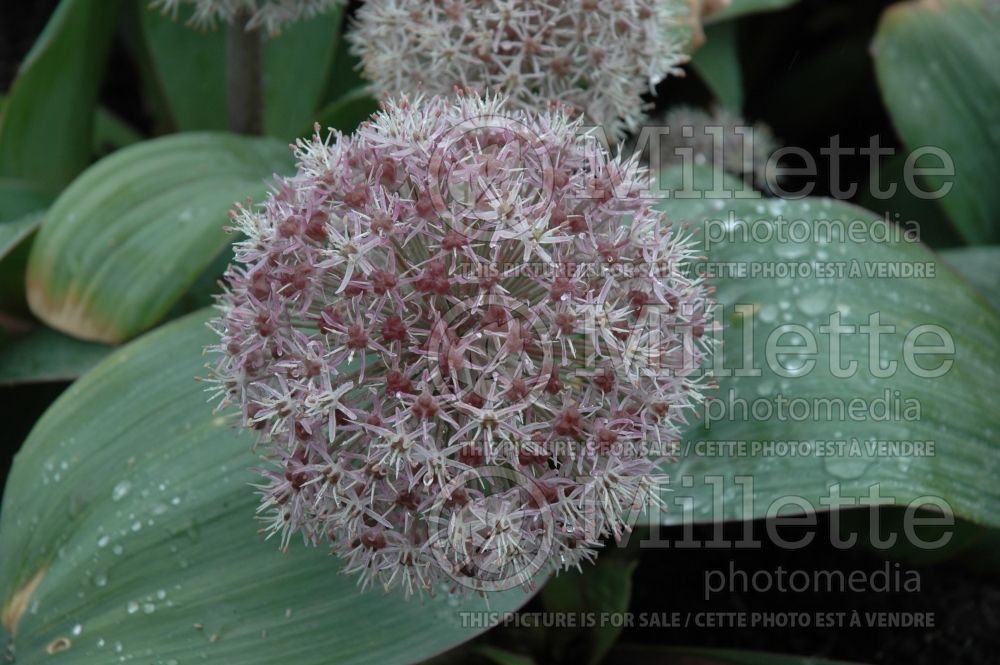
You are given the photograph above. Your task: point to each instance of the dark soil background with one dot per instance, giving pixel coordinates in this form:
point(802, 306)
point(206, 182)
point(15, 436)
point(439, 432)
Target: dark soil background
point(808, 74)
point(965, 606)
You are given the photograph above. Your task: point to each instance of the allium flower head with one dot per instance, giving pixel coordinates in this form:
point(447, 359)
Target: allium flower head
point(597, 57)
point(465, 341)
point(720, 138)
point(271, 15)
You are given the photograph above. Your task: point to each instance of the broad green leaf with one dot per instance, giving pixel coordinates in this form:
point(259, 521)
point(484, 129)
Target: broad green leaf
point(600, 589)
point(45, 355)
point(345, 75)
point(718, 64)
point(297, 67)
point(737, 8)
point(189, 67)
point(346, 113)
point(955, 412)
point(662, 655)
point(18, 198)
point(937, 67)
point(47, 119)
point(14, 233)
point(110, 133)
point(14, 239)
point(980, 266)
point(185, 67)
point(127, 238)
point(21, 204)
point(128, 531)
point(204, 291)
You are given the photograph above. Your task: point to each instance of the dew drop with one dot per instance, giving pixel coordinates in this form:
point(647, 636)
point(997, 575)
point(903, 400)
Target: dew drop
point(794, 365)
point(121, 490)
point(814, 302)
point(845, 468)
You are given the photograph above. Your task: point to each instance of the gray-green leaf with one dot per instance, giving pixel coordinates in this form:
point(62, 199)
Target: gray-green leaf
point(937, 68)
point(47, 119)
point(121, 245)
point(128, 531)
point(833, 432)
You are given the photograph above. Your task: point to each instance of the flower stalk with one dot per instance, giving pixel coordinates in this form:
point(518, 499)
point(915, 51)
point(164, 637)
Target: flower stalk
point(245, 76)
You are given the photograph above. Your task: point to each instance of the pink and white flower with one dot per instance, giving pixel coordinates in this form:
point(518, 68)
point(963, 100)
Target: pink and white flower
point(597, 57)
point(463, 319)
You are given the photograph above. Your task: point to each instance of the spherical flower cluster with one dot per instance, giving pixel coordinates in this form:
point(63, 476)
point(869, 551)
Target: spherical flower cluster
point(466, 342)
point(597, 57)
point(271, 15)
point(722, 139)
